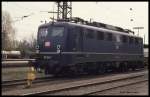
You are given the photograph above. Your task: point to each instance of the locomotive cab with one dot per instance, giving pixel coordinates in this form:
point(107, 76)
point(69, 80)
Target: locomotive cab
point(56, 41)
point(49, 37)
point(51, 41)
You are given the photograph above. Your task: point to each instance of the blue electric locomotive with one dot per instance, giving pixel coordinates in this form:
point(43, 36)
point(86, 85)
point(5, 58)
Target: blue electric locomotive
point(65, 47)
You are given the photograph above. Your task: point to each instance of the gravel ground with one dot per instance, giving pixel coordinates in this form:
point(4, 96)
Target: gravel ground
point(53, 87)
point(135, 89)
point(21, 73)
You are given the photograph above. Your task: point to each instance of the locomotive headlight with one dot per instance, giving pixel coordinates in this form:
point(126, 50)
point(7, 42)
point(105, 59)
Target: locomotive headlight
point(58, 48)
point(37, 49)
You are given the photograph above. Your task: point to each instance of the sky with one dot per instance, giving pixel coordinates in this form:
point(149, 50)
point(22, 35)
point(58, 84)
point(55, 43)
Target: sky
point(113, 13)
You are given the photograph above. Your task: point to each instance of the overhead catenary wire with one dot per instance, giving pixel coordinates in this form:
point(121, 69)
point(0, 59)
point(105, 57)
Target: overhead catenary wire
point(17, 6)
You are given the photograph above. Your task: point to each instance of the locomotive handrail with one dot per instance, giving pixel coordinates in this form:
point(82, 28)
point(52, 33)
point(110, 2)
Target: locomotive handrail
point(47, 53)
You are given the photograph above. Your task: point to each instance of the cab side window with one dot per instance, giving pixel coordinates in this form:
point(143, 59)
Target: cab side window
point(138, 40)
point(100, 35)
point(124, 39)
point(109, 37)
point(89, 34)
point(131, 40)
point(79, 38)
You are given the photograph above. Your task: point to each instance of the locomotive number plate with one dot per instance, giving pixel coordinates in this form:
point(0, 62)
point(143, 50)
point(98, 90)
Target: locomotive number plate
point(47, 57)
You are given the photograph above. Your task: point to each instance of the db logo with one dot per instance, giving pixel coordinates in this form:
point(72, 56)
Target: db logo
point(47, 44)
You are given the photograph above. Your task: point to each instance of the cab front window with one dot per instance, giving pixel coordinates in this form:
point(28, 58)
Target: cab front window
point(57, 31)
point(43, 32)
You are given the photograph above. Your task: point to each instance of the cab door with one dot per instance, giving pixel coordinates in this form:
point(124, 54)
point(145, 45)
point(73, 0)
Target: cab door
point(117, 44)
point(79, 39)
point(75, 39)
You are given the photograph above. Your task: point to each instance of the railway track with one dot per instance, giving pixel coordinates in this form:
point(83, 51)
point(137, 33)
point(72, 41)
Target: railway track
point(83, 86)
point(17, 82)
point(12, 83)
point(92, 87)
point(118, 84)
point(127, 89)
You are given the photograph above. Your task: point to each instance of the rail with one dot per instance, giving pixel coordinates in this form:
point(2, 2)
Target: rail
point(12, 83)
point(106, 84)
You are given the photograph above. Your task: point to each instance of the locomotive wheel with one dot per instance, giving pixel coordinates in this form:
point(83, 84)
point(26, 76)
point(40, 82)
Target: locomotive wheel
point(91, 68)
point(123, 67)
point(115, 67)
point(134, 66)
point(68, 72)
point(96, 68)
point(103, 68)
point(140, 65)
point(79, 68)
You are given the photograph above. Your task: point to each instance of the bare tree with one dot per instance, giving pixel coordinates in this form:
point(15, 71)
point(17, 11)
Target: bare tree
point(27, 47)
point(8, 32)
point(33, 42)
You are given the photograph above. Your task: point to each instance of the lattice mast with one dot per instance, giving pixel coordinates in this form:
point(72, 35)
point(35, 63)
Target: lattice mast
point(64, 10)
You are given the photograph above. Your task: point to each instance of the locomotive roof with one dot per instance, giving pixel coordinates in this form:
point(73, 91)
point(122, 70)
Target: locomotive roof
point(89, 27)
